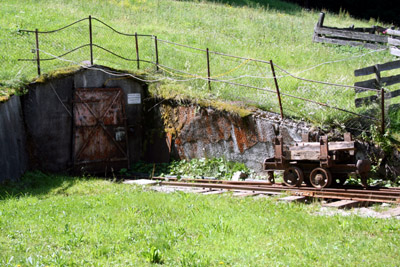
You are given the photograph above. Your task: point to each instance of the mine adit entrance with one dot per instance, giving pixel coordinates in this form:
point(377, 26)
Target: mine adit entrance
point(100, 140)
point(99, 120)
point(87, 120)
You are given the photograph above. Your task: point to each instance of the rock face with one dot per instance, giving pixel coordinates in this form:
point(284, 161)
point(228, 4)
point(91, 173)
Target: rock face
point(196, 132)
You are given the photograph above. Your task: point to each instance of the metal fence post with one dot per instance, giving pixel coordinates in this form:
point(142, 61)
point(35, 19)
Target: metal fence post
point(383, 110)
point(208, 70)
point(137, 50)
point(156, 46)
point(277, 87)
point(91, 40)
point(37, 51)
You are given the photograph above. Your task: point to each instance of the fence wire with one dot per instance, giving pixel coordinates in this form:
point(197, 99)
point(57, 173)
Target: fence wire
point(223, 76)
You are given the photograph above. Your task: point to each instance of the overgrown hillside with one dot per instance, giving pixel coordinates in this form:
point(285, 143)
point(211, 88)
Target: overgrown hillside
point(276, 31)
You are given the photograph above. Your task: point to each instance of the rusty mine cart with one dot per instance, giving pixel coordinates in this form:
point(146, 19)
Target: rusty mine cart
point(319, 164)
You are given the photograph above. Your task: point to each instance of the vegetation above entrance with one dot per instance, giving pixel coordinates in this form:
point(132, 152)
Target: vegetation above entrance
point(277, 30)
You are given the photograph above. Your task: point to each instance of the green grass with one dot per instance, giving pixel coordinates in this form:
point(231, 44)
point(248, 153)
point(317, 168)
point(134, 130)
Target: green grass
point(49, 220)
point(256, 29)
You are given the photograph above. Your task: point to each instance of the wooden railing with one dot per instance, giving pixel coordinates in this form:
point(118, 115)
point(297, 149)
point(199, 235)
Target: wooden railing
point(394, 41)
point(378, 84)
point(372, 38)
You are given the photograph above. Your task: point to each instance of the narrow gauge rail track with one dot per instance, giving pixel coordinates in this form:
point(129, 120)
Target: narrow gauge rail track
point(378, 194)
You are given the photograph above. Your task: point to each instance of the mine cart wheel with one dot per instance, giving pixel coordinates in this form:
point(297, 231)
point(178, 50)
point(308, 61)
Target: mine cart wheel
point(271, 177)
point(307, 179)
point(293, 176)
point(320, 178)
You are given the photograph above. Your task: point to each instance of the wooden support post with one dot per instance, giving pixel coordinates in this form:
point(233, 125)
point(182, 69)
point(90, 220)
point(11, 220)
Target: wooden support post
point(208, 70)
point(91, 40)
point(137, 50)
point(382, 91)
point(37, 51)
point(319, 25)
point(277, 88)
point(321, 19)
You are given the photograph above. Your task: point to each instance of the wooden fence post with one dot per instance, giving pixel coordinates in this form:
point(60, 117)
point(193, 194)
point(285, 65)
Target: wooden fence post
point(382, 91)
point(320, 24)
point(321, 19)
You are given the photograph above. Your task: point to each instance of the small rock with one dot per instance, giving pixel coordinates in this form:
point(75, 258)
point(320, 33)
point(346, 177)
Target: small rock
point(238, 176)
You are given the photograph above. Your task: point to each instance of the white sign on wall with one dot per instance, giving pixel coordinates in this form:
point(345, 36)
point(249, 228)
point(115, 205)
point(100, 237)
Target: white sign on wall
point(134, 98)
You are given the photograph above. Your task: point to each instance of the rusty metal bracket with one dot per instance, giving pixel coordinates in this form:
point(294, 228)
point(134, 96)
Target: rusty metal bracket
point(279, 157)
point(325, 158)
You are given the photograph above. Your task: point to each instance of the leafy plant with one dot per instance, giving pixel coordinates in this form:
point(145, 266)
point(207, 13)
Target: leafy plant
point(218, 168)
point(153, 255)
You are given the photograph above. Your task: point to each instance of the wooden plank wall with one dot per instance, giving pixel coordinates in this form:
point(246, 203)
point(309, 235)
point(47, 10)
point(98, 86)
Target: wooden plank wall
point(371, 38)
point(378, 82)
point(394, 41)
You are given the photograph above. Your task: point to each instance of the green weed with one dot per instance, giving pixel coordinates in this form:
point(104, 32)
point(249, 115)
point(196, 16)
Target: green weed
point(153, 255)
point(196, 168)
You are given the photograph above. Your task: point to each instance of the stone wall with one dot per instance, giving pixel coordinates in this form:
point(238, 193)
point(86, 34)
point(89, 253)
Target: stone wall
point(13, 156)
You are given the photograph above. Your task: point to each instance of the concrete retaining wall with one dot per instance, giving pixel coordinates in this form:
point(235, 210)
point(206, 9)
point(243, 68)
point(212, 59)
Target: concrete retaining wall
point(13, 156)
point(47, 111)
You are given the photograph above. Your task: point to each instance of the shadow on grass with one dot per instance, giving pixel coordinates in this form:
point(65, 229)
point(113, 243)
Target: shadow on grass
point(282, 6)
point(36, 183)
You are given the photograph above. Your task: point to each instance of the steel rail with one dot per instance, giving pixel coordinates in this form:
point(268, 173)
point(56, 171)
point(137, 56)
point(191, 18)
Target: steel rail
point(366, 195)
point(212, 181)
point(349, 189)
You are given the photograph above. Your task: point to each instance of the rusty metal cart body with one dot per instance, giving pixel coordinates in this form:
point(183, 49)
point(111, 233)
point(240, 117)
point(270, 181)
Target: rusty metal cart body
point(316, 163)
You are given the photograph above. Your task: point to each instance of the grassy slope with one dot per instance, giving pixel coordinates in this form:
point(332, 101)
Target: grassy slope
point(275, 30)
point(63, 221)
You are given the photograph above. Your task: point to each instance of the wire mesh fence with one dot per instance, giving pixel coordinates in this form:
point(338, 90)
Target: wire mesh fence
point(91, 41)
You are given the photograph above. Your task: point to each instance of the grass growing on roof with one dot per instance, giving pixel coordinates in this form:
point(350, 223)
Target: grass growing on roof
point(58, 220)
